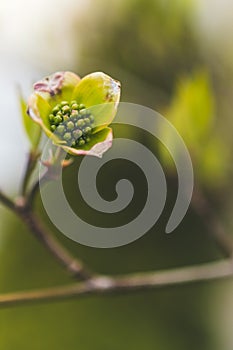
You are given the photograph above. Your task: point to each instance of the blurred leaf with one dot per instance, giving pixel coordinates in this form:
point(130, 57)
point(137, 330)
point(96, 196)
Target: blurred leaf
point(192, 112)
point(214, 162)
point(32, 129)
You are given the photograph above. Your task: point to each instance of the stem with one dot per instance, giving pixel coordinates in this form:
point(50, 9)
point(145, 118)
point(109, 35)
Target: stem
point(31, 164)
point(129, 283)
point(49, 174)
point(7, 201)
point(35, 188)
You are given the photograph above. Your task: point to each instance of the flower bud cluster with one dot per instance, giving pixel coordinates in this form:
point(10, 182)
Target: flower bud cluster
point(72, 123)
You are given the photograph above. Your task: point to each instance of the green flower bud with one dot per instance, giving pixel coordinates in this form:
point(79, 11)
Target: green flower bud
point(51, 117)
point(64, 103)
point(67, 136)
point(87, 130)
point(77, 134)
point(80, 123)
point(75, 106)
point(58, 119)
point(55, 110)
point(60, 129)
point(86, 120)
point(65, 109)
point(74, 113)
point(70, 125)
point(81, 142)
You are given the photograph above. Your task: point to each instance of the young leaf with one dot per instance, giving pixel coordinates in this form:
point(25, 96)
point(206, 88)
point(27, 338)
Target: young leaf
point(32, 129)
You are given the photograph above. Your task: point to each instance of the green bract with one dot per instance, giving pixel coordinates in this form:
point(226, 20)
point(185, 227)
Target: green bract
point(75, 113)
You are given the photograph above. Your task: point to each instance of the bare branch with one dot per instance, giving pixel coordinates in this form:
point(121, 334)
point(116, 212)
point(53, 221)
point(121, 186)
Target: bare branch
point(97, 284)
point(101, 285)
point(63, 256)
point(7, 201)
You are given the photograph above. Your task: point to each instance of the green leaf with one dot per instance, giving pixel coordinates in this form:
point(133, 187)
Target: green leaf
point(32, 129)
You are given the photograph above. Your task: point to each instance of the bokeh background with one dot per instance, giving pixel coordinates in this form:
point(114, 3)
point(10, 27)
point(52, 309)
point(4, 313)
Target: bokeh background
point(177, 58)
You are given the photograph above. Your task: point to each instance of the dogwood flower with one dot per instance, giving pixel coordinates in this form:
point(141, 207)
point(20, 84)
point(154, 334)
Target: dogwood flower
point(75, 113)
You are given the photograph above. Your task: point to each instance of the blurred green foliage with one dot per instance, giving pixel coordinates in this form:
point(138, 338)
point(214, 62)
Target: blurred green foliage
point(152, 47)
point(148, 43)
point(192, 111)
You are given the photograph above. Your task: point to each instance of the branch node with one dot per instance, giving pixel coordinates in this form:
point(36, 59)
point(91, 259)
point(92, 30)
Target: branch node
point(102, 282)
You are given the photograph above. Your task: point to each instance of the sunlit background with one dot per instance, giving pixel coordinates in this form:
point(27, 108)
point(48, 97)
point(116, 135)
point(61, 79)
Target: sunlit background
point(177, 58)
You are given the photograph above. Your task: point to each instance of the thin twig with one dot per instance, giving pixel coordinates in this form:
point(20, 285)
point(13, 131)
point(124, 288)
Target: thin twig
point(211, 221)
point(63, 256)
point(35, 188)
point(105, 285)
point(30, 166)
point(74, 266)
point(7, 201)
